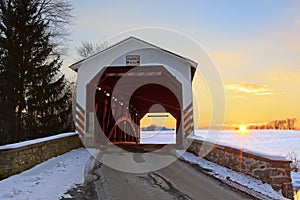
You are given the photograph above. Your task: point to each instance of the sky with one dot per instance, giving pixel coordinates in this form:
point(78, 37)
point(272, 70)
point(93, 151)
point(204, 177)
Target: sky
point(254, 45)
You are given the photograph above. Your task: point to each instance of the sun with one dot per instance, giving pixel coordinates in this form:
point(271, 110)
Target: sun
point(243, 130)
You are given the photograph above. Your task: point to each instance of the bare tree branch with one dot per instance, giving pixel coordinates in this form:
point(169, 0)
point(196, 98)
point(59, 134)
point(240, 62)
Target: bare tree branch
point(58, 14)
point(87, 49)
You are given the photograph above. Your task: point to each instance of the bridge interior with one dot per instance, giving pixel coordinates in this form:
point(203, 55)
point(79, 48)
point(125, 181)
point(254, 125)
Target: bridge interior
point(124, 95)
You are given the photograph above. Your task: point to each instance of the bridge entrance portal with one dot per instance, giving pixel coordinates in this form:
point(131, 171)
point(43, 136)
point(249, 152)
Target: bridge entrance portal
point(124, 95)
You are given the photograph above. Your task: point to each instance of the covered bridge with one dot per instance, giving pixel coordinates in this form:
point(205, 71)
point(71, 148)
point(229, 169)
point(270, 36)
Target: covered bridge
point(119, 85)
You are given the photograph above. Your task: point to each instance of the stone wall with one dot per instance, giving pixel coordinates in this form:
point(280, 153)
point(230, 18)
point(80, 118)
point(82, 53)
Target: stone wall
point(272, 170)
point(14, 160)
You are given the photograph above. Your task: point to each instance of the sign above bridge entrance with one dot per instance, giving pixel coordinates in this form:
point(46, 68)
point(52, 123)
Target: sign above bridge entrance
point(132, 60)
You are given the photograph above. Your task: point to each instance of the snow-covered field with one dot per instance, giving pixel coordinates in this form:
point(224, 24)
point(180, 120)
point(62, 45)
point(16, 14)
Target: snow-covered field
point(158, 137)
point(48, 180)
point(265, 142)
point(268, 142)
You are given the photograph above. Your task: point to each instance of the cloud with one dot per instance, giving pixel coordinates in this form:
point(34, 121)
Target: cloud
point(250, 88)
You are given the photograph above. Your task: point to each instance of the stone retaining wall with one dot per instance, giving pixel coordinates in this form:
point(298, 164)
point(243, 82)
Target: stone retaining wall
point(15, 160)
point(272, 170)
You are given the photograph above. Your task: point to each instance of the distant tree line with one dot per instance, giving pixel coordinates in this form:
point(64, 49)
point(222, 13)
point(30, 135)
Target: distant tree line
point(35, 98)
point(155, 128)
point(281, 124)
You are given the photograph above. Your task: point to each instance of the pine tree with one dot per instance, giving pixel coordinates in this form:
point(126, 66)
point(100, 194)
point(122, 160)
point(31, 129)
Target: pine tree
point(34, 101)
point(9, 73)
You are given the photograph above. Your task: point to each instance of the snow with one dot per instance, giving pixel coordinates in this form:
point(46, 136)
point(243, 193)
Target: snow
point(274, 144)
point(271, 144)
point(158, 137)
point(30, 142)
point(51, 179)
point(48, 180)
point(295, 180)
point(233, 178)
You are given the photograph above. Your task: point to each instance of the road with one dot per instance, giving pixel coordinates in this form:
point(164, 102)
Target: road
point(179, 180)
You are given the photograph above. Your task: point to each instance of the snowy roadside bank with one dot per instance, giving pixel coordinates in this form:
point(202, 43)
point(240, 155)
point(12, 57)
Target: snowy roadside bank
point(48, 180)
point(237, 180)
point(273, 143)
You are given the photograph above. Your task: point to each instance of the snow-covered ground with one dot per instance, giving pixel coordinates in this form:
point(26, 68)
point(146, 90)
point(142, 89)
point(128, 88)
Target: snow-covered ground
point(158, 137)
point(48, 180)
point(272, 143)
point(234, 179)
point(269, 142)
point(51, 179)
point(296, 180)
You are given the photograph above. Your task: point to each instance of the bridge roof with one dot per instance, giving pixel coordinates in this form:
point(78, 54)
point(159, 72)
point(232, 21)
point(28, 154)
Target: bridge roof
point(77, 65)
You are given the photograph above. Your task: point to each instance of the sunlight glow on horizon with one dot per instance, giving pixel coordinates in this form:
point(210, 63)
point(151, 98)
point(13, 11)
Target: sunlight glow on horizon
point(243, 130)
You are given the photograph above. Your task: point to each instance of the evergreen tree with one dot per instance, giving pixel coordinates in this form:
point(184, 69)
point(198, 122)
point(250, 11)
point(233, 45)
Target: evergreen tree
point(34, 101)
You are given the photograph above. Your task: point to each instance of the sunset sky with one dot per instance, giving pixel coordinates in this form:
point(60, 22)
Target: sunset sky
point(254, 44)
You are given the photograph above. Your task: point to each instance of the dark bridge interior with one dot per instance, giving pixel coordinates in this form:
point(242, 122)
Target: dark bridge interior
point(125, 94)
